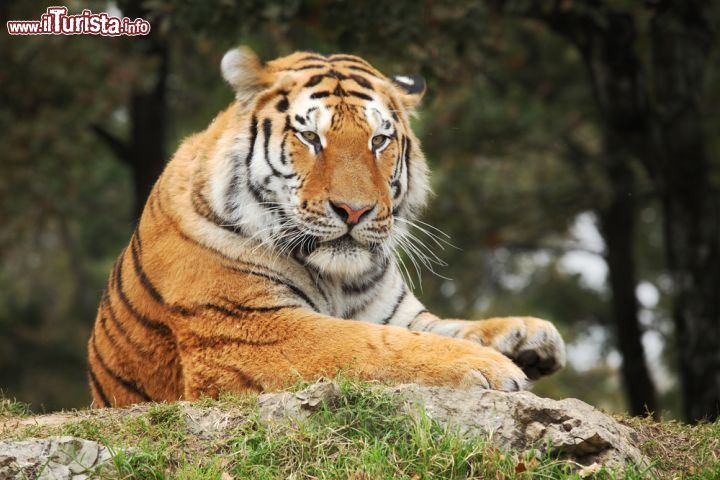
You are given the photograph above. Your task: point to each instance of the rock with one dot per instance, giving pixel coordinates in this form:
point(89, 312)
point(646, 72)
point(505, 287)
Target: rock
point(210, 423)
point(56, 458)
point(517, 421)
point(280, 407)
point(522, 421)
point(49, 420)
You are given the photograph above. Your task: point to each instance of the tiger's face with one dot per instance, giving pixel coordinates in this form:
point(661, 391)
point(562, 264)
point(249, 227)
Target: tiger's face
point(329, 157)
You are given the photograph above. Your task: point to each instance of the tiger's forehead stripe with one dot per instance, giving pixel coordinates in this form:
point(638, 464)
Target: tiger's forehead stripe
point(349, 62)
point(332, 73)
point(345, 85)
point(338, 85)
point(334, 59)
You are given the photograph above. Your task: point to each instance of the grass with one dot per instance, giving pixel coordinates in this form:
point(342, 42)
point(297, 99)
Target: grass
point(360, 437)
point(13, 408)
point(679, 450)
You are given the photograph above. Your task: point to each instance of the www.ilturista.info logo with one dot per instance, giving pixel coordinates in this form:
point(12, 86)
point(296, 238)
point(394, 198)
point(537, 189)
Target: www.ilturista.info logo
point(56, 21)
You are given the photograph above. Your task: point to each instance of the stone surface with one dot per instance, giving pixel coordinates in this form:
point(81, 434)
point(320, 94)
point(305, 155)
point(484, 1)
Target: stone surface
point(284, 406)
point(48, 420)
point(57, 458)
point(522, 421)
point(518, 421)
point(210, 423)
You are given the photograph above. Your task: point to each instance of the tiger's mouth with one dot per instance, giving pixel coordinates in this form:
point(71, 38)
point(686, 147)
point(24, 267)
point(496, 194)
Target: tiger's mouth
point(344, 242)
point(347, 242)
point(343, 256)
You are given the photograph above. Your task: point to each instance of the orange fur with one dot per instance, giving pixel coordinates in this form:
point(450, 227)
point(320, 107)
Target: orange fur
point(191, 309)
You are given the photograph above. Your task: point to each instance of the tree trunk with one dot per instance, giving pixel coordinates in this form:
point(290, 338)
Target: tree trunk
point(682, 37)
point(607, 48)
point(144, 150)
point(617, 226)
point(657, 115)
point(615, 75)
point(692, 237)
point(146, 146)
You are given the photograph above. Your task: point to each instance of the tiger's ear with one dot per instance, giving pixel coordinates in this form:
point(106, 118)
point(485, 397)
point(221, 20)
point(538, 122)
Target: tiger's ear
point(245, 72)
point(412, 88)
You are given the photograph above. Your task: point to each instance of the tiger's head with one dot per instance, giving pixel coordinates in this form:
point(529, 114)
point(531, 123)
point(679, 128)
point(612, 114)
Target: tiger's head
point(325, 165)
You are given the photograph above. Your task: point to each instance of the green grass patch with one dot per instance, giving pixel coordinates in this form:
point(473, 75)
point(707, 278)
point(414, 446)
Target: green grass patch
point(13, 408)
point(362, 436)
point(359, 436)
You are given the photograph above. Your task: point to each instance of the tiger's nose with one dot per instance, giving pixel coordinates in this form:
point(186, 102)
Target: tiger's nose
point(350, 215)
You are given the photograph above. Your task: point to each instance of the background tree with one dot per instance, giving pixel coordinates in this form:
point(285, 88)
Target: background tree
point(144, 149)
point(649, 69)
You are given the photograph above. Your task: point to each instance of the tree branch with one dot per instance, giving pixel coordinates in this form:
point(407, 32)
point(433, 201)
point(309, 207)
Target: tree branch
point(117, 146)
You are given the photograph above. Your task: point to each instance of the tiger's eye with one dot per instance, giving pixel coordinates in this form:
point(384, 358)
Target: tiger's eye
point(311, 137)
point(378, 140)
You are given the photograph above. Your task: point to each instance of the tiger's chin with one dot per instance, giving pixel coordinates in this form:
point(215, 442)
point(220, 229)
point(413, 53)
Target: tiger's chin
point(342, 257)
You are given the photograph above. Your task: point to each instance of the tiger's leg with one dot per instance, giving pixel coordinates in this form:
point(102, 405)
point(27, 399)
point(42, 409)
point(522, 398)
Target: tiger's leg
point(532, 343)
point(276, 349)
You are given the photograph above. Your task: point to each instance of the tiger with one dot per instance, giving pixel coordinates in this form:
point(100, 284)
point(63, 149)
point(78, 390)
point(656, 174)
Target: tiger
point(266, 252)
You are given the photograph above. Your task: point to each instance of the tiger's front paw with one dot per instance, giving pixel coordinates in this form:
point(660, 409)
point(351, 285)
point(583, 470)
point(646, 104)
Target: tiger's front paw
point(533, 344)
point(494, 371)
point(439, 360)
